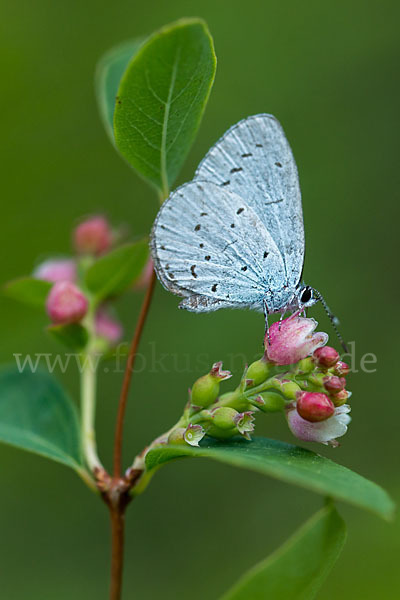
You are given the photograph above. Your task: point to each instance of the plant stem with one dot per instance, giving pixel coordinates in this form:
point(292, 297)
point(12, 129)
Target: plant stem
point(117, 517)
point(88, 409)
point(130, 363)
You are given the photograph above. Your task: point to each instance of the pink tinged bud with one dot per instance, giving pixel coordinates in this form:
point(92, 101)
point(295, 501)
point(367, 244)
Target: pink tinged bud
point(334, 383)
point(326, 357)
point(292, 339)
point(217, 372)
point(194, 434)
point(244, 423)
point(341, 368)
point(56, 270)
point(324, 432)
point(108, 328)
point(144, 279)
point(66, 303)
point(314, 406)
point(340, 397)
point(93, 236)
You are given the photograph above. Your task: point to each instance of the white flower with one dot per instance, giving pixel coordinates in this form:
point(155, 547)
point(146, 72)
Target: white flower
point(324, 432)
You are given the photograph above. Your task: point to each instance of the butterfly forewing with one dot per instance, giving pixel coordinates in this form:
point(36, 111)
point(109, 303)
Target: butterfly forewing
point(210, 246)
point(254, 160)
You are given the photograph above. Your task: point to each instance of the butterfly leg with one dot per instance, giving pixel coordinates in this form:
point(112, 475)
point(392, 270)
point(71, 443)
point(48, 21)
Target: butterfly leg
point(266, 313)
point(281, 319)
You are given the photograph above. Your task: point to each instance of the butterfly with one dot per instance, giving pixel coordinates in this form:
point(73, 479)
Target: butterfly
point(233, 237)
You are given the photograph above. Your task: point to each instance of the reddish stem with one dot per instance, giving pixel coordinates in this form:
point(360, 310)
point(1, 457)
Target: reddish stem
point(130, 363)
point(117, 551)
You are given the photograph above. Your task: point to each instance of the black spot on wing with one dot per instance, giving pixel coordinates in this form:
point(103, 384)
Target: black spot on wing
point(266, 254)
point(226, 182)
point(244, 268)
point(197, 228)
point(203, 214)
point(208, 257)
point(236, 169)
point(247, 155)
point(214, 288)
point(278, 164)
point(192, 269)
point(239, 210)
point(201, 245)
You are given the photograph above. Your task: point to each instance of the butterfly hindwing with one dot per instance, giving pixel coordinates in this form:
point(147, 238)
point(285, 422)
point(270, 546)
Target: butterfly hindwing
point(254, 160)
point(210, 247)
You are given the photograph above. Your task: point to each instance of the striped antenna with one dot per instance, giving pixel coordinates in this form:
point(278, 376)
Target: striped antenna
point(334, 320)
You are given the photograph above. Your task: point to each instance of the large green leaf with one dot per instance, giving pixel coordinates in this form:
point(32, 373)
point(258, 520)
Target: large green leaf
point(109, 72)
point(161, 99)
point(116, 271)
point(288, 463)
point(28, 290)
point(37, 415)
point(297, 569)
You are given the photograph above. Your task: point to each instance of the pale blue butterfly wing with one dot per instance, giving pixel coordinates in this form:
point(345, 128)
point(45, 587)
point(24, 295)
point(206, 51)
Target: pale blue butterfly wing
point(210, 247)
point(254, 160)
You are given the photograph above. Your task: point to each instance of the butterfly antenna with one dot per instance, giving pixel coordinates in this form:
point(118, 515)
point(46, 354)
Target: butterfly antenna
point(334, 320)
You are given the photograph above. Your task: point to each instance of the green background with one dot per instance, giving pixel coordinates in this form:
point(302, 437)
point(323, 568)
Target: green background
point(329, 72)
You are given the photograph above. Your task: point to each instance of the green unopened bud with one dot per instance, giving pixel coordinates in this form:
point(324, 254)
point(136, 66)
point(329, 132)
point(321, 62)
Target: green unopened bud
point(177, 436)
point(306, 365)
point(289, 389)
point(271, 402)
point(224, 417)
point(205, 390)
point(258, 371)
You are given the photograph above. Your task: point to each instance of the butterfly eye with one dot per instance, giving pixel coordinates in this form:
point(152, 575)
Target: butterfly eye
point(306, 295)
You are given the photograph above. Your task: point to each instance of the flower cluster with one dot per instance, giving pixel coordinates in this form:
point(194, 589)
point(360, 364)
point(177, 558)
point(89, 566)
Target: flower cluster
point(68, 301)
point(310, 391)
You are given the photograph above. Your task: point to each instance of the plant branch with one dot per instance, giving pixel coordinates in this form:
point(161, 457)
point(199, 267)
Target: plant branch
point(88, 409)
point(128, 377)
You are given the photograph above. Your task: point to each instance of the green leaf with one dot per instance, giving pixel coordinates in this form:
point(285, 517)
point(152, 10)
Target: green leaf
point(74, 336)
point(161, 99)
point(28, 290)
point(37, 415)
point(109, 72)
point(112, 274)
point(297, 570)
point(288, 463)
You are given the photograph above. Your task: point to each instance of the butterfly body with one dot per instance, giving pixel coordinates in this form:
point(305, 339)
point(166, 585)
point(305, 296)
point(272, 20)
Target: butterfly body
point(233, 237)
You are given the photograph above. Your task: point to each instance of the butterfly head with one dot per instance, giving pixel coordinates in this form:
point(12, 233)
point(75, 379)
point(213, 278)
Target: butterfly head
point(306, 296)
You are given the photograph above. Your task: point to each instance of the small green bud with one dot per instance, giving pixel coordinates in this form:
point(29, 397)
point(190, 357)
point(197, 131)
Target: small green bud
point(258, 371)
point(205, 390)
point(224, 417)
point(289, 389)
point(272, 402)
point(306, 365)
point(177, 436)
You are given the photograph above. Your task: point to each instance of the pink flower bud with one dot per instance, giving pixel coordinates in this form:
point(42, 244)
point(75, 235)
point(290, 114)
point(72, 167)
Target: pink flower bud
point(314, 406)
point(108, 328)
point(340, 397)
point(326, 356)
point(93, 236)
point(333, 383)
point(66, 303)
point(144, 279)
point(292, 340)
point(341, 368)
point(56, 270)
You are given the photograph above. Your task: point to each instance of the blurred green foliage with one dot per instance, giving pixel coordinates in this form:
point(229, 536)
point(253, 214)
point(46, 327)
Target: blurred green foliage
point(329, 72)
